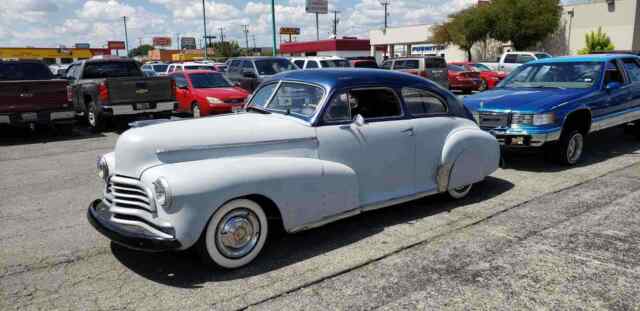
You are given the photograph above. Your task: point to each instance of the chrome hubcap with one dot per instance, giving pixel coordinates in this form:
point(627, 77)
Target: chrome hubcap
point(574, 148)
point(238, 233)
point(196, 112)
point(92, 118)
point(462, 189)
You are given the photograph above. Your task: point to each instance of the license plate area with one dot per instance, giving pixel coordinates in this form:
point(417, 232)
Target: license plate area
point(29, 117)
point(142, 106)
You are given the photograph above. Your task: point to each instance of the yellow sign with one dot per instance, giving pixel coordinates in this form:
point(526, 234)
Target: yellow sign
point(38, 53)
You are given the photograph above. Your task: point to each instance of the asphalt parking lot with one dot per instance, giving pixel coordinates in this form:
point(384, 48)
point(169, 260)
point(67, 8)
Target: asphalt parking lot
point(533, 235)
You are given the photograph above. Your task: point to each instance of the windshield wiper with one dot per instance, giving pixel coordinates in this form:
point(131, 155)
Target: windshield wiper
point(546, 87)
point(255, 108)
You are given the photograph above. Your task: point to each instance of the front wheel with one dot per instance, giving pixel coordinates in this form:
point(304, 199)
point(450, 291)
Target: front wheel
point(460, 192)
point(195, 109)
point(235, 235)
point(570, 147)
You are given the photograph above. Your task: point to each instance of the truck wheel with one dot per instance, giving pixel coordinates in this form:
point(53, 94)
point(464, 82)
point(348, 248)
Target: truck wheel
point(195, 109)
point(95, 118)
point(460, 192)
point(235, 234)
point(570, 147)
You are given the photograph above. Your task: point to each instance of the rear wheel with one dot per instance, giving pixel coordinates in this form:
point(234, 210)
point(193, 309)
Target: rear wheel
point(195, 109)
point(459, 192)
point(95, 118)
point(235, 235)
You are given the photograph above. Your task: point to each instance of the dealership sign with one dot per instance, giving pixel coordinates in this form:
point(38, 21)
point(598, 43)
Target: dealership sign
point(161, 41)
point(188, 43)
point(317, 6)
point(289, 31)
point(116, 45)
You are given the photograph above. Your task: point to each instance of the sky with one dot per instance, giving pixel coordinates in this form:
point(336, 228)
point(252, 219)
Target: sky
point(50, 23)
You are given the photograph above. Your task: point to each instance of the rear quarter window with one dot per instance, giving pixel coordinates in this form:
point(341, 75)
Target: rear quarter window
point(435, 62)
point(24, 71)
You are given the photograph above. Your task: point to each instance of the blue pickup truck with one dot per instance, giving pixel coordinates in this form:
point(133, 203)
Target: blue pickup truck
point(555, 102)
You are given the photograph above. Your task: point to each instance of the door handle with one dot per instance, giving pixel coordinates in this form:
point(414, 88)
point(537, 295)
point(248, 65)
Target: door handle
point(409, 131)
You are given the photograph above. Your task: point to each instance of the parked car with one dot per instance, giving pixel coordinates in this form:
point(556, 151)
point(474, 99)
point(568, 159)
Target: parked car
point(149, 73)
point(463, 80)
point(108, 87)
point(315, 146)
point(220, 67)
point(314, 62)
point(431, 67)
point(363, 62)
point(159, 68)
point(509, 61)
point(489, 77)
point(556, 102)
point(30, 95)
point(202, 92)
point(189, 66)
point(249, 72)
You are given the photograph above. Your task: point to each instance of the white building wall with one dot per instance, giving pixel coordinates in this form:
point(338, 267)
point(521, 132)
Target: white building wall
point(618, 20)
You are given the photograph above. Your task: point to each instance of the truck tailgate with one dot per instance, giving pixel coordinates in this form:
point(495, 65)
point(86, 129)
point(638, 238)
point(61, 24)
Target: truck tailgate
point(140, 89)
point(33, 95)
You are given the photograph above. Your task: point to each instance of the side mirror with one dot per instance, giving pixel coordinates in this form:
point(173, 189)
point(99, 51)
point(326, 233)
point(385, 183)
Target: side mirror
point(359, 120)
point(612, 86)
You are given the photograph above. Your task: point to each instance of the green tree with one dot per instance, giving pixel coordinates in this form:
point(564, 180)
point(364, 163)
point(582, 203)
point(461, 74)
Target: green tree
point(142, 50)
point(597, 41)
point(226, 49)
point(464, 28)
point(524, 22)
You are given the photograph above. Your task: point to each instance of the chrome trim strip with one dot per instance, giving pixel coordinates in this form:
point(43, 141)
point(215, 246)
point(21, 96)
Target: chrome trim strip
point(619, 118)
point(128, 109)
point(142, 225)
point(239, 145)
point(62, 115)
point(326, 220)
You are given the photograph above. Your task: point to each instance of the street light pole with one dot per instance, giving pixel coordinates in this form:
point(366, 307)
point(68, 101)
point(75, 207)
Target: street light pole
point(317, 28)
point(126, 37)
point(385, 3)
point(273, 26)
point(204, 24)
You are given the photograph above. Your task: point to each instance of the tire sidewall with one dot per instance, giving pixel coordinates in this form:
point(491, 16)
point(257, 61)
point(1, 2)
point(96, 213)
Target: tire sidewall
point(195, 106)
point(459, 195)
point(209, 239)
point(564, 146)
point(97, 117)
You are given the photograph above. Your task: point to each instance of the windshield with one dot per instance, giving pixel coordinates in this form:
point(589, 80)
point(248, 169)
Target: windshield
point(160, 68)
point(542, 55)
point(481, 67)
point(24, 71)
point(268, 67)
point(198, 67)
point(334, 63)
point(554, 75)
point(208, 80)
point(295, 99)
point(99, 70)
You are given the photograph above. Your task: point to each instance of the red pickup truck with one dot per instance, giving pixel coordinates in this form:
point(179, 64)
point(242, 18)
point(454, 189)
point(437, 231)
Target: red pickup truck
point(29, 95)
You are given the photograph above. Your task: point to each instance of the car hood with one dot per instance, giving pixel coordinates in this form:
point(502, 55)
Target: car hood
point(232, 135)
point(222, 93)
point(522, 99)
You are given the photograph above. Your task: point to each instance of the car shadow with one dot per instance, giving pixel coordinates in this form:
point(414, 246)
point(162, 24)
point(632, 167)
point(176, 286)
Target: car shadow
point(12, 136)
point(185, 270)
point(599, 147)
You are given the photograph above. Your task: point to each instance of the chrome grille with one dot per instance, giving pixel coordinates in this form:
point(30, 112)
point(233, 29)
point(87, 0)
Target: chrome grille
point(491, 120)
point(129, 193)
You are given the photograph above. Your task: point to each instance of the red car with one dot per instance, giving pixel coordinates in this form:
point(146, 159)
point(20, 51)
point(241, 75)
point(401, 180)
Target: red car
point(463, 80)
point(489, 77)
point(205, 92)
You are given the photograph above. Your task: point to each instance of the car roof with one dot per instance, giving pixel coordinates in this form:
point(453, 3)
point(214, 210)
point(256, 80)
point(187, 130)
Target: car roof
point(346, 77)
point(190, 72)
point(258, 58)
point(583, 58)
point(195, 64)
point(317, 58)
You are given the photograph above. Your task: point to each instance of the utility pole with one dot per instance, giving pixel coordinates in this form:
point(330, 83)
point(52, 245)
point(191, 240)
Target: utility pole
point(317, 28)
point(335, 23)
point(254, 41)
point(204, 24)
point(386, 4)
point(245, 29)
point(126, 37)
point(221, 34)
point(273, 27)
point(178, 41)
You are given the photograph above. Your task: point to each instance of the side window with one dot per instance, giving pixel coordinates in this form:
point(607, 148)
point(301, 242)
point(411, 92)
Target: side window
point(338, 109)
point(71, 71)
point(400, 64)
point(178, 68)
point(235, 66)
point(511, 58)
point(613, 73)
point(524, 58)
point(261, 97)
point(172, 68)
point(312, 64)
point(387, 65)
point(247, 66)
point(412, 64)
point(299, 63)
point(633, 69)
point(374, 103)
point(180, 79)
point(421, 102)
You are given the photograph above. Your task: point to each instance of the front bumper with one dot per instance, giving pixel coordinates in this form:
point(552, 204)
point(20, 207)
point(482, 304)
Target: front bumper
point(128, 110)
point(132, 237)
point(56, 116)
point(512, 138)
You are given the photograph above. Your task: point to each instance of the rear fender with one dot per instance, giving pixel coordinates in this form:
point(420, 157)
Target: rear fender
point(469, 155)
point(304, 190)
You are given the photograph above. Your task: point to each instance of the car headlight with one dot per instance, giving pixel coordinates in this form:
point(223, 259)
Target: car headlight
point(162, 192)
point(544, 118)
point(214, 100)
point(533, 119)
point(103, 169)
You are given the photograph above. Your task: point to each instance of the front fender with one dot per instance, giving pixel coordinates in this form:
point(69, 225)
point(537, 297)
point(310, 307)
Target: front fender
point(304, 190)
point(469, 155)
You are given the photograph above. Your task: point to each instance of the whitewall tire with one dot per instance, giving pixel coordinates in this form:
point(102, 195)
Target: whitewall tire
point(460, 192)
point(235, 235)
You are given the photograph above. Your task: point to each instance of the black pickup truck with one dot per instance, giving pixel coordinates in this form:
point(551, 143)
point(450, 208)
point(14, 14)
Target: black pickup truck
point(105, 88)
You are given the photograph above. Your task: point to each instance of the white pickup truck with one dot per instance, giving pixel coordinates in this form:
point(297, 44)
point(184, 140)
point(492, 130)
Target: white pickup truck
point(509, 61)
